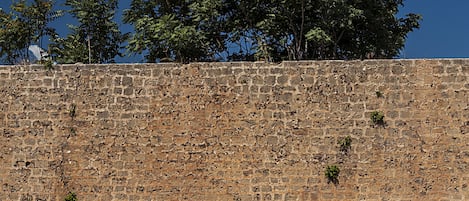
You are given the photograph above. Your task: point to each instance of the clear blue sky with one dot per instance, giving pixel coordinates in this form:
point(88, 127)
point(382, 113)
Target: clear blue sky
point(444, 31)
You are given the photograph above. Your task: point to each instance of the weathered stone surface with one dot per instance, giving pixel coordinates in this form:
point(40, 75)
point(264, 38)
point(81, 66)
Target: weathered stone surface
point(235, 131)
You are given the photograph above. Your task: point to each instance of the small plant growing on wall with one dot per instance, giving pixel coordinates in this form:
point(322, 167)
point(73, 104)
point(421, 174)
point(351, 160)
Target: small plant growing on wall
point(377, 118)
point(27, 197)
point(73, 132)
point(71, 197)
point(332, 174)
point(345, 144)
point(379, 94)
point(48, 64)
point(72, 111)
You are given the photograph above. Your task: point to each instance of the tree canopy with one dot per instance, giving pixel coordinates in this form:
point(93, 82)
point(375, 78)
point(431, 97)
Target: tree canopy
point(26, 24)
point(96, 39)
point(269, 29)
point(212, 30)
point(178, 30)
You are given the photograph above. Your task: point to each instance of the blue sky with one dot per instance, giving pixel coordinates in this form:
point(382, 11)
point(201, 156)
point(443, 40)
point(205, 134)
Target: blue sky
point(444, 31)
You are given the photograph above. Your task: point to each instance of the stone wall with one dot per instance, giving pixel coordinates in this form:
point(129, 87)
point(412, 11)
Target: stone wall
point(235, 131)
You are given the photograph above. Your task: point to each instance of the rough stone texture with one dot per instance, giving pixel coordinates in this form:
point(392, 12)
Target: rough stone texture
point(235, 131)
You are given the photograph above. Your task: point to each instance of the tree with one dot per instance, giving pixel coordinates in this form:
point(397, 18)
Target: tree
point(97, 38)
point(331, 29)
point(14, 38)
point(182, 30)
point(25, 25)
point(71, 49)
point(190, 30)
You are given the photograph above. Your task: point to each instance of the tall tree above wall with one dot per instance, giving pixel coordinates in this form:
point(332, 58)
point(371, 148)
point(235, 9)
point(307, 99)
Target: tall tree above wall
point(181, 30)
point(331, 29)
point(211, 30)
point(25, 25)
point(96, 39)
point(192, 30)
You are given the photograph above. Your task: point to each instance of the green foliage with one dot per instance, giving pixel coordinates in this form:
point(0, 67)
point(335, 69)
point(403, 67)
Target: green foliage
point(194, 30)
point(318, 36)
point(71, 49)
point(207, 30)
point(26, 24)
point(379, 94)
point(14, 38)
point(96, 39)
point(333, 29)
point(176, 30)
point(72, 111)
point(377, 118)
point(345, 144)
point(73, 132)
point(71, 197)
point(332, 173)
point(48, 64)
point(173, 39)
